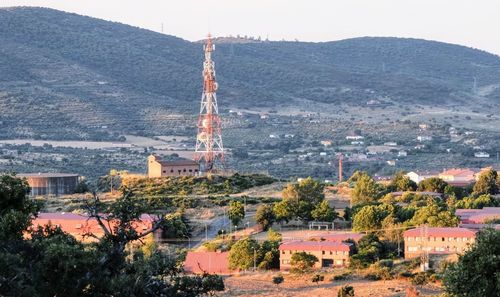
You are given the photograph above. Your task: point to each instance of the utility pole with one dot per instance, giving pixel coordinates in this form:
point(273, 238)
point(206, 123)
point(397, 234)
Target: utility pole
point(254, 259)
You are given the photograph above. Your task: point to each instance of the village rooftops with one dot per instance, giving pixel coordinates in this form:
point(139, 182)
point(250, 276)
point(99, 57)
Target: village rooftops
point(315, 246)
point(440, 232)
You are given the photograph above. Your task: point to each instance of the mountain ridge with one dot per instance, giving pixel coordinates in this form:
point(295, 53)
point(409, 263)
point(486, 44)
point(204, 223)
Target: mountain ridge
point(92, 73)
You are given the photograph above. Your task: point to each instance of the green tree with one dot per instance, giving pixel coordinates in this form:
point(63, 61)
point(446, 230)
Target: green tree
point(477, 271)
point(323, 212)
point(52, 263)
point(236, 212)
point(370, 250)
point(283, 211)
point(346, 291)
point(243, 254)
point(264, 216)
point(477, 202)
point(401, 182)
point(365, 190)
point(486, 183)
point(302, 262)
point(433, 184)
point(368, 218)
point(434, 215)
point(303, 196)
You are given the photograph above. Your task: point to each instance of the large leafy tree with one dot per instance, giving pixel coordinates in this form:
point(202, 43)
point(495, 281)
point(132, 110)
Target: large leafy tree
point(477, 272)
point(283, 211)
point(401, 182)
point(433, 184)
point(244, 254)
point(486, 183)
point(264, 216)
point(323, 212)
point(303, 197)
point(365, 190)
point(236, 212)
point(302, 262)
point(368, 218)
point(434, 215)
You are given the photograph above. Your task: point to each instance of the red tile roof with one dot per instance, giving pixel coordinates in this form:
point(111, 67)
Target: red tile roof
point(77, 224)
point(440, 232)
point(338, 237)
point(210, 262)
point(458, 172)
point(315, 246)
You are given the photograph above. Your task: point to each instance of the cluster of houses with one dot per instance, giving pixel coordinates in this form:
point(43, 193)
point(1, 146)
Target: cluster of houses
point(334, 250)
point(459, 177)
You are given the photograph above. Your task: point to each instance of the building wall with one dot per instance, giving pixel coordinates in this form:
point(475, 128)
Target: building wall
point(63, 185)
point(339, 258)
point(157, 169)
point(154, 167)
point(180, 170)
point(414, 246)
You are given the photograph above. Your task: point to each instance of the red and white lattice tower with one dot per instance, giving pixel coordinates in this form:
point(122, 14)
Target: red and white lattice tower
point(209, 149)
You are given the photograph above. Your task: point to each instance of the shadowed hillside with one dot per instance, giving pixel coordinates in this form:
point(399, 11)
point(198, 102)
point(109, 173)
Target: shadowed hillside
point(65, 76)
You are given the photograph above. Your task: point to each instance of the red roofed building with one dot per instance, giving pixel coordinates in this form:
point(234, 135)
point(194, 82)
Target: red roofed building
point(80, 226)
point(329, 253)
point(337, 237)
point(209, 262)
point(459, 177)
point(478, 216)
point(159, 168)
point(437, 240)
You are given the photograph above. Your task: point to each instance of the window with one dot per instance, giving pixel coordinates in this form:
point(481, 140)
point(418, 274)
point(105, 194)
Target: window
point(283, 252)
point(164, 171)
point(184, 170)
point(322, 252)
point(412, 248)
point(171, 171)
point(190, 170)
point(331, 253)
point(442, 238)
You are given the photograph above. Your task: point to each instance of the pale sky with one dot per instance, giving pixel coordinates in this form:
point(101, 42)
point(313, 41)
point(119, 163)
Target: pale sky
point(474, 23)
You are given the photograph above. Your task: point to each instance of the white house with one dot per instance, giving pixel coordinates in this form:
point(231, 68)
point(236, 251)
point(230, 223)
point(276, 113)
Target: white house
point(481, 155)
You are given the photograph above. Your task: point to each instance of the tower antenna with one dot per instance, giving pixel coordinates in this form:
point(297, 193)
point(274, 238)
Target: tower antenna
point(209, 150)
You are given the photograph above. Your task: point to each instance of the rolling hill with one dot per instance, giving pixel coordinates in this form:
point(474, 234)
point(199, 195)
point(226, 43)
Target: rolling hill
point(66, 76)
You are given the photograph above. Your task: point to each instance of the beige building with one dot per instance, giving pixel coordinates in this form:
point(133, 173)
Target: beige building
point(329, 253)
point(436, 240)
point(159, 168)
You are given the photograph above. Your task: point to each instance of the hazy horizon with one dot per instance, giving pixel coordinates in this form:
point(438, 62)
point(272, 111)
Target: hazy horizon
point(469, 23)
